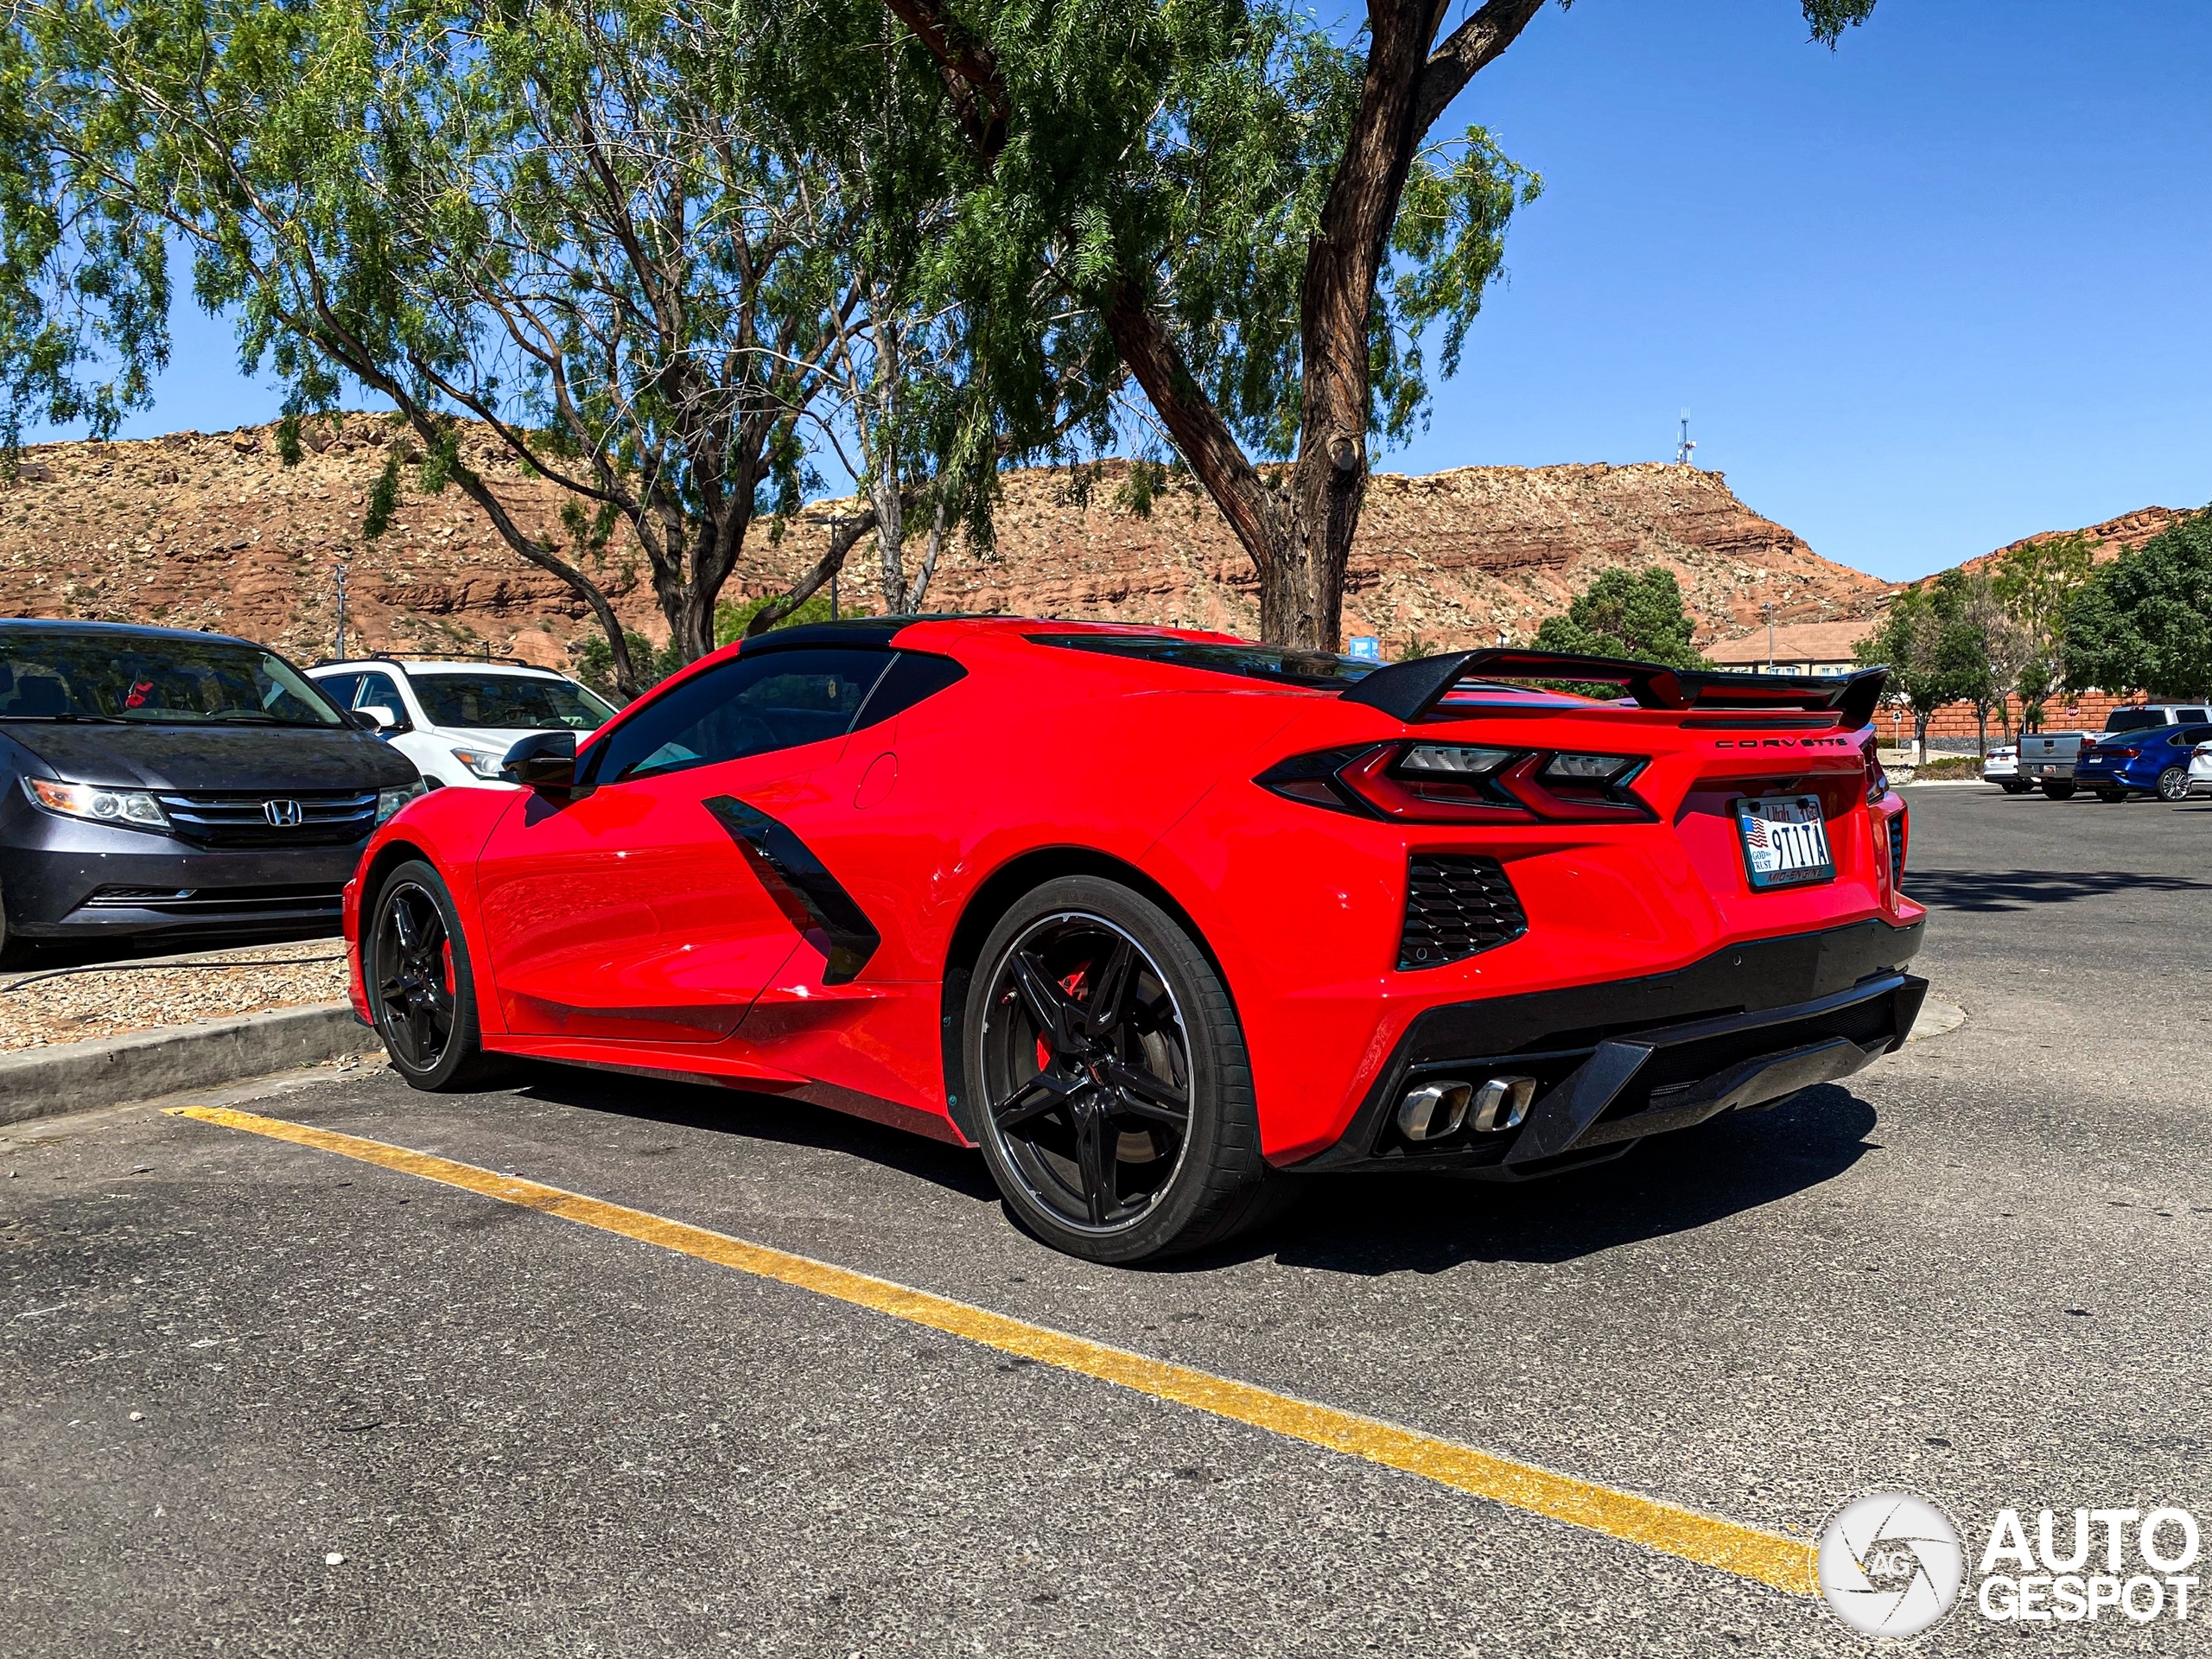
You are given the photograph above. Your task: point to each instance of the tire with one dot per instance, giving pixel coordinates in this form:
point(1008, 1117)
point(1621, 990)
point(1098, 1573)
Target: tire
point(424, 996)
point(2108, 796)
point(2058, 790)
point(1080, 1123)
point(2173, 784)
point(14, 952)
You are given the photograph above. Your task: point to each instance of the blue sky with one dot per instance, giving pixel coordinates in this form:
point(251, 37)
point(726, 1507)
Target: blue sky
point(1945, 286)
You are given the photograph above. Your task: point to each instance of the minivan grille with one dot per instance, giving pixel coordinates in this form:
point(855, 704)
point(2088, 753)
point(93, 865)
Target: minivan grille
point(1456, 905)
point(326, 817)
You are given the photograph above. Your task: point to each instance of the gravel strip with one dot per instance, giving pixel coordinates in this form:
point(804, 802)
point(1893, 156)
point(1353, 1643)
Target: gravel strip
point(115, 999)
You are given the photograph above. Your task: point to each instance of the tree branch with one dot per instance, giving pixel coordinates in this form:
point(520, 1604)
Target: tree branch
point(1469, 49)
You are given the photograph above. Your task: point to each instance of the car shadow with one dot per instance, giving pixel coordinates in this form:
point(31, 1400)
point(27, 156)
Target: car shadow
point(1369, 1225)
point(1990, 892)
point(1365, 1225)
point(758, 1117)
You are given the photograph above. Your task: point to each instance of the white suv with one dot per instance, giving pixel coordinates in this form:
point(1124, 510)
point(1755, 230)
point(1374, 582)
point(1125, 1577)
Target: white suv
point(457, 720)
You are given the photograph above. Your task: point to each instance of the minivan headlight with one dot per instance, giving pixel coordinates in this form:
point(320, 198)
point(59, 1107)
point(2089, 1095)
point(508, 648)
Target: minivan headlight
point(482, 762)
point(127, 806)
point(389, 801)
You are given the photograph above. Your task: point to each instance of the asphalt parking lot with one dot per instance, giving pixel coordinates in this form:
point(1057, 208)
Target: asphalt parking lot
point(261, 1397)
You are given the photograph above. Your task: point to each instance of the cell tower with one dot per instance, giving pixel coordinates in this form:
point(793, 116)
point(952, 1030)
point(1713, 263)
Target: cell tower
point(1686, 451)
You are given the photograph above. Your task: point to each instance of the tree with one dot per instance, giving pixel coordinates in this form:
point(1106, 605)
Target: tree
point(2145, 619)
point(1266, 229)
point(2034, 582)
point(1638, 615)
point(1962, 671)
point(574, 223)
point(1910, 643)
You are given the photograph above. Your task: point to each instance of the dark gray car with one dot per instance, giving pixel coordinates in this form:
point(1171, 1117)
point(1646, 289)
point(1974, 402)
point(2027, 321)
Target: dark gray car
point(163, 785)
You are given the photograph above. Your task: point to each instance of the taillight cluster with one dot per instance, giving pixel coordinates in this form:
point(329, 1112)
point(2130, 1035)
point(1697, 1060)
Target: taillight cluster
point(1454, 783)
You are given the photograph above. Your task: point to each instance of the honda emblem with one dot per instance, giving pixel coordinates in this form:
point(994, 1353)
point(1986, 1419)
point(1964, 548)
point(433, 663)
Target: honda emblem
point(284, 815)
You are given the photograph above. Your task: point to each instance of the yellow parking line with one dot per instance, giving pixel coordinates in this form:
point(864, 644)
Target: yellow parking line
point(1785, 1563)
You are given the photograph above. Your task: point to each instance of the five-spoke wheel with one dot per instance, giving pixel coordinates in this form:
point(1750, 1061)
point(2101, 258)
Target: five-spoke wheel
point(414, 963)
point(1109, 1074)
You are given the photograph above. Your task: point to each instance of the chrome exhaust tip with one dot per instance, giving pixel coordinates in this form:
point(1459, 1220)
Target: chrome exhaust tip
point(1434, 1111)
point(1501, 1102)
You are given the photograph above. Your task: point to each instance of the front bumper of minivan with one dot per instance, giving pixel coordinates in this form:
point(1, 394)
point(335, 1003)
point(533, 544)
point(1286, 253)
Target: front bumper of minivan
point(63, 879)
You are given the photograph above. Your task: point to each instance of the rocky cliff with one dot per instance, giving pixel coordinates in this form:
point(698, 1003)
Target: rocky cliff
point(197, 529)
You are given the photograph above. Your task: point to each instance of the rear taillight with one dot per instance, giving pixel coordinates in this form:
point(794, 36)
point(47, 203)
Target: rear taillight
point(1453, 783)
point(2088, 747)
point(1878, 779)
point(1896, 852)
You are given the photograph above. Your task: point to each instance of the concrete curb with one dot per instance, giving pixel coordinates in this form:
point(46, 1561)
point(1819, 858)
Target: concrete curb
point(82, 1076)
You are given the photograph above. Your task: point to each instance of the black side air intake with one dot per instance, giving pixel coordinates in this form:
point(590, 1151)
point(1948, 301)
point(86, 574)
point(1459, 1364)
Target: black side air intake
point(1457, 905)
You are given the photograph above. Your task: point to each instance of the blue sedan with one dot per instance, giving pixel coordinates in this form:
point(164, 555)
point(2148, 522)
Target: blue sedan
point(2154, 762)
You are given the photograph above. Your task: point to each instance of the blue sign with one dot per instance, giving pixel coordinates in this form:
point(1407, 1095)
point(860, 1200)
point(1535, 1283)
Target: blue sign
point(1364, 648)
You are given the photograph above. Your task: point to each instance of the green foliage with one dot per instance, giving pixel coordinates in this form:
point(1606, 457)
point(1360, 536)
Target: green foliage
point(2144, 621)
point(384, 499)
point(594, 663)
point(287, 441)
point(441, 460)
point(1146, 480)
point(732, 617)
point(1638, 615)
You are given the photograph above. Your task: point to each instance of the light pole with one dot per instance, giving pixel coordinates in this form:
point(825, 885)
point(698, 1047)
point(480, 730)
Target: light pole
point(1769, 608)
point(834, 522)
point(341, 612)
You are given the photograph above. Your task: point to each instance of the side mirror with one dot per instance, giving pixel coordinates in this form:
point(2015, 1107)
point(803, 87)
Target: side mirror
point(542, 760)
point(382, 719)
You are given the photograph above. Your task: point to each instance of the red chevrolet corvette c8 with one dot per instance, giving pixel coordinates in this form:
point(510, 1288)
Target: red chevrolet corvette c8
point(1162, 920)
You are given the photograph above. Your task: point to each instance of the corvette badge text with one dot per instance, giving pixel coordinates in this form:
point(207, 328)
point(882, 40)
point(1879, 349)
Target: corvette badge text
point(1893, 1564)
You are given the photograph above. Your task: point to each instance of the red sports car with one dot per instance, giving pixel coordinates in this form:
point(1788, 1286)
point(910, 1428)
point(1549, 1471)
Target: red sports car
point(1158, 918)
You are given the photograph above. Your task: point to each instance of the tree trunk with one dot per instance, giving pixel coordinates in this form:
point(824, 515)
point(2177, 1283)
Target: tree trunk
point(883, 471)
point(1982, 726)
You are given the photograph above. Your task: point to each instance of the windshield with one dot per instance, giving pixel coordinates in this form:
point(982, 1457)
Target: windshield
point(160, 682)
point(2134, 720)
point(509, 703)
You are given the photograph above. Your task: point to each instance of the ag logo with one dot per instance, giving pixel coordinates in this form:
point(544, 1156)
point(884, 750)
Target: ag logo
point(1891, 1564)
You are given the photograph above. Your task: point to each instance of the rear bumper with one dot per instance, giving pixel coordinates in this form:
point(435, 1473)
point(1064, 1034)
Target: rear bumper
point(62, 879)
point(1744, 1027)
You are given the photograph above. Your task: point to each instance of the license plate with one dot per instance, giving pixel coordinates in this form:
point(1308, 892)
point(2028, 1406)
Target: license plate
point(1785, 840)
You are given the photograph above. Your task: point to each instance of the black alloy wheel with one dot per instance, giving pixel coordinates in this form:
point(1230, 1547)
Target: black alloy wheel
point(1111, 1081)
point(421, 991)
point(2173, 784)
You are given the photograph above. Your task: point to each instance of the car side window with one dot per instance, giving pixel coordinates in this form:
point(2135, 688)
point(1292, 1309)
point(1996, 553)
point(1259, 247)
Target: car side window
point(911, 677)
point(338, 688)
point(2191, 713)
point(752, 705)
point(2194, 735)
point(380, 691)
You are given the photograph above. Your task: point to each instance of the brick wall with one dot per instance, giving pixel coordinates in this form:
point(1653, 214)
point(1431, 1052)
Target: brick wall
point(1953, 726)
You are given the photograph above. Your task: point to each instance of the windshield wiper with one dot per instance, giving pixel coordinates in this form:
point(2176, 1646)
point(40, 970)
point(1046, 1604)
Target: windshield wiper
point(89, 720)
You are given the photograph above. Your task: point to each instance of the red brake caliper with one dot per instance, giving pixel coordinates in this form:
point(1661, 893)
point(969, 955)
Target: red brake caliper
point(1073, 985)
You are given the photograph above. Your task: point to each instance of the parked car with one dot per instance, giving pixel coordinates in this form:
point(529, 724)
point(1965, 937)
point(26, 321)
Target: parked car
point(2138, 762)
point(2148, 716)
point(2200, 765)
point(1156, 917)
point(2001, 766)
point(2044, 761)
point(162, 784)
point(457, 720)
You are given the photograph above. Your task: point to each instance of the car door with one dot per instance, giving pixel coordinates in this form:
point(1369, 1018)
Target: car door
point(636, 907)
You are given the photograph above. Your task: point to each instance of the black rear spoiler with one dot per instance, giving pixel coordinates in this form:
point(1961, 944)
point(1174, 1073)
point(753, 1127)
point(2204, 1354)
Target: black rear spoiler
point(1410, 690)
